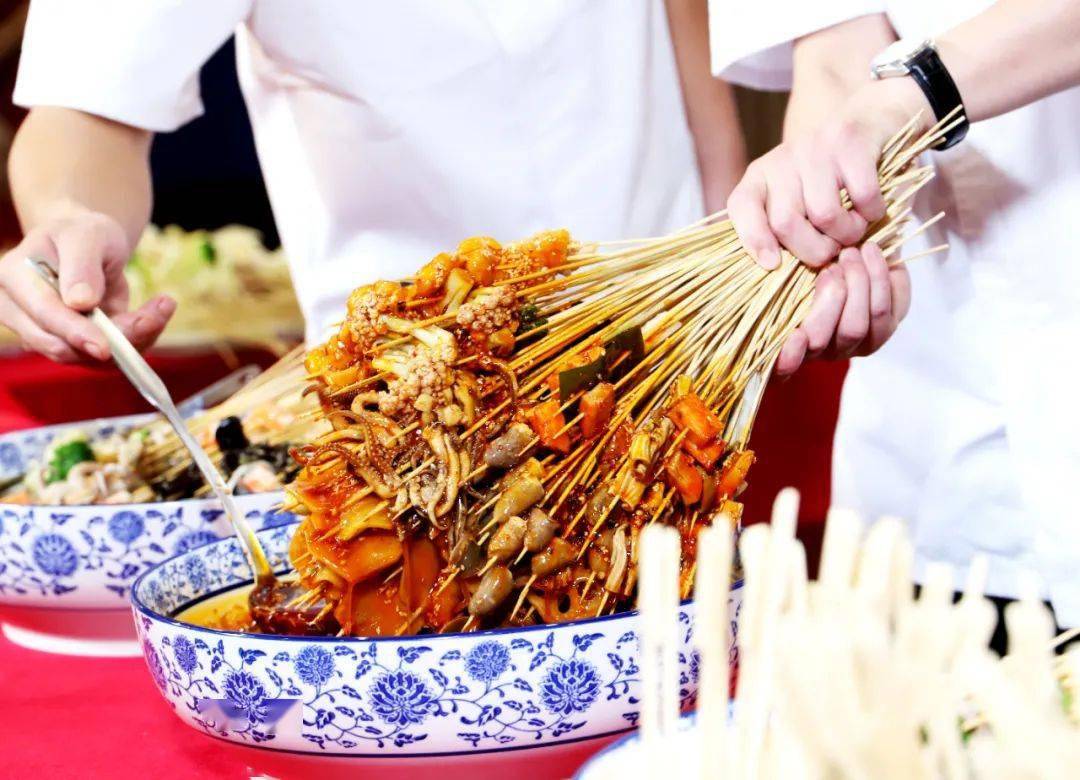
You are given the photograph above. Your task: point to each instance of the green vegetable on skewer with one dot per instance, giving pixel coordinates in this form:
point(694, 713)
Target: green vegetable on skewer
point(532, 322)
point(64, 457)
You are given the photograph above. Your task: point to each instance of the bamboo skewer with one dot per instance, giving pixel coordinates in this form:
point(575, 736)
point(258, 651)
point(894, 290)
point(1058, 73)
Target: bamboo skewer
point(855, 676)
point(711, 601)
point(659, 564)
point(704, 310)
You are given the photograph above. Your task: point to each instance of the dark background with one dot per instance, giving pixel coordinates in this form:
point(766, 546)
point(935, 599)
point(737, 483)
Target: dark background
point(206, 174)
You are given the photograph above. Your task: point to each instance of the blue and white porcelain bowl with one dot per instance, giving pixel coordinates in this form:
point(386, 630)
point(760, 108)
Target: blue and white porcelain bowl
point(66, 571)
point(352, 702)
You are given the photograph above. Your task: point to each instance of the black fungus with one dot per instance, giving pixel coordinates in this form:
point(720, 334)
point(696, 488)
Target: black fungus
point(230, 435)
point(183, 485)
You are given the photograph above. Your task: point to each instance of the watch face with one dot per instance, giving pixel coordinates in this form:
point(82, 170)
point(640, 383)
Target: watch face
point(894, 59)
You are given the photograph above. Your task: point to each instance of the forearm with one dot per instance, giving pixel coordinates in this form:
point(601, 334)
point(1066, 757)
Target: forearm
point(711, 112)
point(829, 66)
point(64, 161)
point(1015, 52)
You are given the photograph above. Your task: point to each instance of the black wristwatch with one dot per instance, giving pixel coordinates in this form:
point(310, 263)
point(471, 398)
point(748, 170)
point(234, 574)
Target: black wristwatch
point(922, 63)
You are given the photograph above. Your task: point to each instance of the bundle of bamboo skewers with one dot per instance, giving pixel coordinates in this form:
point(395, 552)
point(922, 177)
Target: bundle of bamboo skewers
point(506, 422)
point(850, 676)
point(272, 407)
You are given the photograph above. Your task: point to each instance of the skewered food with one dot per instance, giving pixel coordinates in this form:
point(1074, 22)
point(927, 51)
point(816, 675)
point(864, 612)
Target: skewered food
point(250, 468)
point(445, 433)
point(505, 423)
point(75, 470)
point(81, 469)
point(250, 436)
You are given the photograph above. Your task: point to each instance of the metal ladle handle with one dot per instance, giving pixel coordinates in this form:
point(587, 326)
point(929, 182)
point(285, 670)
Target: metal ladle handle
point(150, 386)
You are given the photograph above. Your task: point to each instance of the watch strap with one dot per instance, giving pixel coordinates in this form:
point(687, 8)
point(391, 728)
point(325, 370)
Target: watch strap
point(934, 80)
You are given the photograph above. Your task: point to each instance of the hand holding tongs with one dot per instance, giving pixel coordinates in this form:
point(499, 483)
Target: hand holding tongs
point(150, 386)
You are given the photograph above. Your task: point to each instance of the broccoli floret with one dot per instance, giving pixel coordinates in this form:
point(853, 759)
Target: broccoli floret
point(64, 457)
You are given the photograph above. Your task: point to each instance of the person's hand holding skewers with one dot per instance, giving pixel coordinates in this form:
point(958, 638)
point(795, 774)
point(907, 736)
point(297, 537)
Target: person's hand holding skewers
point(790, 199)
point(837, 123)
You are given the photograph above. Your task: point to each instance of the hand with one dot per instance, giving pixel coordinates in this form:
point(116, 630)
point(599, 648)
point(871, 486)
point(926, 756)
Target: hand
point(89, 251)
point(858, 303)
point(790, 197)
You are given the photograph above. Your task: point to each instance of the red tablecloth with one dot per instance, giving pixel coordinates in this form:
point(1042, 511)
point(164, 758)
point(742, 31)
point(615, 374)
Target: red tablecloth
point(35, 391)
point(87, 717)
point(67, 717)
point(793, 440)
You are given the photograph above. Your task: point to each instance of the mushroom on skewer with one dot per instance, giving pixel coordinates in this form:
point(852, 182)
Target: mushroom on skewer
point(516, 415)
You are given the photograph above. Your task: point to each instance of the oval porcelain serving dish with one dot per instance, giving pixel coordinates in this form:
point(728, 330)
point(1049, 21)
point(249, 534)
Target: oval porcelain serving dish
point(549, 694)
point(66, 571)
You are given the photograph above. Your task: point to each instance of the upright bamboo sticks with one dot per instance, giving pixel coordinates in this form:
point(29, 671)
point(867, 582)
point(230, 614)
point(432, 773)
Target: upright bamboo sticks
point(851, 676)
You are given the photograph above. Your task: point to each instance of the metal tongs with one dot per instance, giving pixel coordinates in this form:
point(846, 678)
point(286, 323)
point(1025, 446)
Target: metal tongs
point(150, 386)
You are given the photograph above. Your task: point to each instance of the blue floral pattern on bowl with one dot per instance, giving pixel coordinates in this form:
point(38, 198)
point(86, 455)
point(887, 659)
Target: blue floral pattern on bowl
point(430, 695)
point(88, 557)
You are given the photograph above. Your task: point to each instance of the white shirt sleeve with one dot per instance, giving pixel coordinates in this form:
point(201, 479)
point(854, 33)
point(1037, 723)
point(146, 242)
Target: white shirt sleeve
point(132, 61)
point(751, 42)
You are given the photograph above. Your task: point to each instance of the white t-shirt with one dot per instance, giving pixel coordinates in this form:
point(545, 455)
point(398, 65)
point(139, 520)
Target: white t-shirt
point(967, 422)
point(389, 131)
